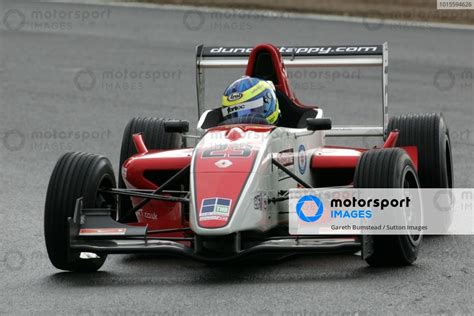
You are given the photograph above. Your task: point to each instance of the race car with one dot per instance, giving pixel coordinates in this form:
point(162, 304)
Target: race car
point(226, 198)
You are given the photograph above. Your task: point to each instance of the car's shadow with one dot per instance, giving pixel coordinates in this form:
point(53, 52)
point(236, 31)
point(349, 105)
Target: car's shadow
point(138, 270)
point(156, 270)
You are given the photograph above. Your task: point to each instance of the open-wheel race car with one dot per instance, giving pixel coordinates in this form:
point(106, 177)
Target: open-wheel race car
point(226, 198)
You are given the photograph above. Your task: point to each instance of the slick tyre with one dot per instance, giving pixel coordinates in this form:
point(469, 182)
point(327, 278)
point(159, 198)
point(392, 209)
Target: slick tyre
point(75, 175)
point(155, 137)
point(389, 168)
point(429, 133)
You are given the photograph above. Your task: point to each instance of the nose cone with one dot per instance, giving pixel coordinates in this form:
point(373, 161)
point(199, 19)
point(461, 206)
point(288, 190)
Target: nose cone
point(223, 161)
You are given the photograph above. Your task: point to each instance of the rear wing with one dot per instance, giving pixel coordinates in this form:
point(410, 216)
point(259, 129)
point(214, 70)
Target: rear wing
point(304, 56)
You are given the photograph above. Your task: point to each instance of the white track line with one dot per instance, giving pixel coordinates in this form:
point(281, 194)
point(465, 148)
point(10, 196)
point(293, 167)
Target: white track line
point(274, 13)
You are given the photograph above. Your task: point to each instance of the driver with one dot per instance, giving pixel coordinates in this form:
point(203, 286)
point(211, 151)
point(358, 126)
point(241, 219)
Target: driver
point(251, 97)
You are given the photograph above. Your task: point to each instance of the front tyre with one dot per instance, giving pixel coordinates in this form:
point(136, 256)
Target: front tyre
point(155, 137)
point(75, 175)
point(389, 168)
point(429, 133)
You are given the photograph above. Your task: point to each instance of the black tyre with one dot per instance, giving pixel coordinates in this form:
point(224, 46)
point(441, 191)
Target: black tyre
point(155, 137)
point(389, 168)
point(75, 175)
point(430, 134)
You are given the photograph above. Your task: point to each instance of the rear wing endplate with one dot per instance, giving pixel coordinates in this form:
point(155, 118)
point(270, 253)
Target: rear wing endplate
point(307, 56)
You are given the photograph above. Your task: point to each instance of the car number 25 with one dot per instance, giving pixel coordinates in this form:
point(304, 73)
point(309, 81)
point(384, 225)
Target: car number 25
point(227, 151)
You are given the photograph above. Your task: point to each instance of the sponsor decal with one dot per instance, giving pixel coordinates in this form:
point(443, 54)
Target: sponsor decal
point(260, 201)
point(234, 96)
point(102, 231)
point(302, 159)
point(147, 215)
point(298, 51)
point(215, 209)
point(257, 201)
point(287, 159)
point(223, 163)
point(232, 109)
point(264, 201)
point(255, 104)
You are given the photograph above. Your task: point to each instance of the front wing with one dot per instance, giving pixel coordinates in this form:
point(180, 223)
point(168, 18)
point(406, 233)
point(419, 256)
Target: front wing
point(94, 231)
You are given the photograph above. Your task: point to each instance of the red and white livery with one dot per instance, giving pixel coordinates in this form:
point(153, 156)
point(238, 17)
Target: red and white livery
point(226, 198)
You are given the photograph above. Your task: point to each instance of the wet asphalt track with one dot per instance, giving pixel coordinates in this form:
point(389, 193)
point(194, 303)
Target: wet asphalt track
point(58, 94)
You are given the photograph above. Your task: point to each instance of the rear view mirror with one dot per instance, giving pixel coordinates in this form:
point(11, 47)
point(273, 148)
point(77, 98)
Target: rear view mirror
point(176, 126)
point(318, 124)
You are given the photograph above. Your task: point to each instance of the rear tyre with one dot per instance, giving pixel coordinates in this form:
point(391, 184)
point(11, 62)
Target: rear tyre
point(429, 133)
point(389, 168)
point(75, 175)
point(155, 137)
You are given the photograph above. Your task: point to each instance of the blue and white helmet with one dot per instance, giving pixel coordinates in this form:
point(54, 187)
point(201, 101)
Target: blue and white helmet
point(251, 96)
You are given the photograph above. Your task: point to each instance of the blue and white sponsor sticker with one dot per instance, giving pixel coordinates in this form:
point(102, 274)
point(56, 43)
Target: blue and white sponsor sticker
point(302, 159)
point(215, 208)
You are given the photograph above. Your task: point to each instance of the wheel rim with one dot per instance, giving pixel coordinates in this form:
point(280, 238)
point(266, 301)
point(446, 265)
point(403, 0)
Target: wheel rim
point(410, 182)
point(104, 200)
point(449, 166)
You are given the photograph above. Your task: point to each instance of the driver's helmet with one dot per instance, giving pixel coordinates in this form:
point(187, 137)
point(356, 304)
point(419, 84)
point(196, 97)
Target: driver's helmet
point(250, 96)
